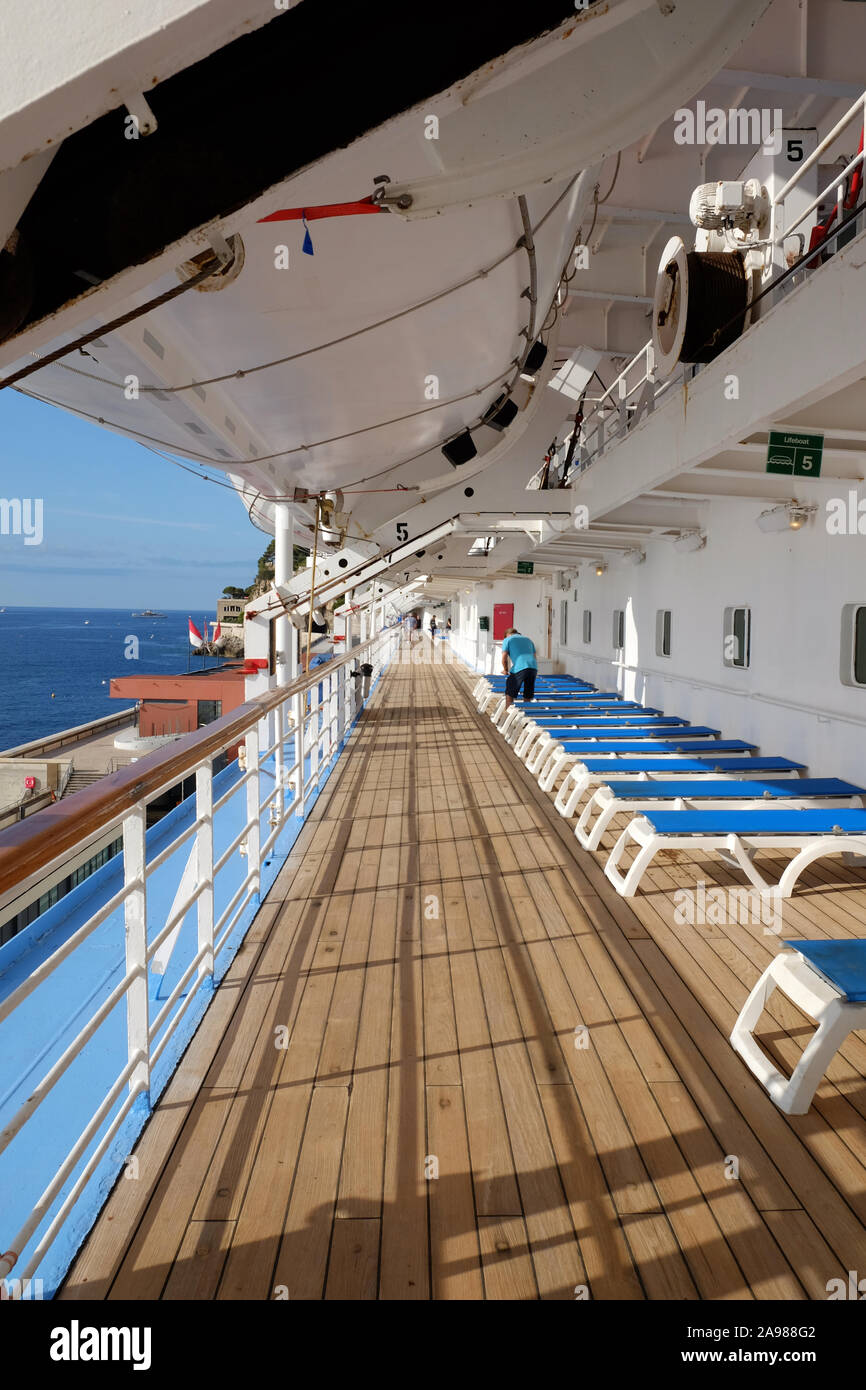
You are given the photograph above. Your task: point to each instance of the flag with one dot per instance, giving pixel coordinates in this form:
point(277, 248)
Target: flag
point(218, 638)
point(195, 637)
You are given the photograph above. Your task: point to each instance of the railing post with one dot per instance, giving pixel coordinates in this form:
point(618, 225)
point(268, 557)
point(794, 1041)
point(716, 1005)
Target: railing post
point(332, 719)
point(254, 857)
point(343, 697)
point(621, 410)
point(315, 729)
point(278, 807)
point(341, 703)
point(135, 930)
point(204, 865)
point(299, 750)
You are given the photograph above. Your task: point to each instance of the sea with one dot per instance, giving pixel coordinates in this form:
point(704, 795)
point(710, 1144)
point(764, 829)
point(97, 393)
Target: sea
point(56, 664)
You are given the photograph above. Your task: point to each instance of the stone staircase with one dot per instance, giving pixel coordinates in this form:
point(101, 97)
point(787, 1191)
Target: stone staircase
point(81, 779)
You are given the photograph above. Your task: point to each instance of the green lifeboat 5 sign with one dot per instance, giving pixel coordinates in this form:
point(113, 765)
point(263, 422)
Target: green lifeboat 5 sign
point(525, 567)
point(800, 454)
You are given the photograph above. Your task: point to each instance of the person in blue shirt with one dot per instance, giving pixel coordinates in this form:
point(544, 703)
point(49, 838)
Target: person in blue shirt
point(518, 653)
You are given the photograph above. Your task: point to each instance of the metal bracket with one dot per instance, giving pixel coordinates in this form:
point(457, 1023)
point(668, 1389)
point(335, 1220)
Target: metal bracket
point(382, 199)
point(144, 118)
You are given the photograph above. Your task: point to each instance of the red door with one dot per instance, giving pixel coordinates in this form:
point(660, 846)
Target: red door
point(503, 619)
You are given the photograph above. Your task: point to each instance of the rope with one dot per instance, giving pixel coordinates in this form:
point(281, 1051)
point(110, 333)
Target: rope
point(120, 322)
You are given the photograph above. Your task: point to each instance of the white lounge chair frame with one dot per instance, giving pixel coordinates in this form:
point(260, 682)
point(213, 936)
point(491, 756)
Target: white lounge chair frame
point(608, 806)
point(738, 850)
point(579, 778)
point(835, 1016)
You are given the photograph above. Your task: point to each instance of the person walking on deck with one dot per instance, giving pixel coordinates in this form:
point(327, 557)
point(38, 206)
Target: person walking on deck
point(518, 653)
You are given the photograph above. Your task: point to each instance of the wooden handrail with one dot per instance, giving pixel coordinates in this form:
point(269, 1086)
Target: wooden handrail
point(34, 843)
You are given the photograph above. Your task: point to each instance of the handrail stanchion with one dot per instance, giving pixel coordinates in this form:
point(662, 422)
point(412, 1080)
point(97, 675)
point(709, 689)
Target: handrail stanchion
point(254, 838)
point(315, 730)
point(135, 931)
point(341, 704)
point(204, 866)
point(278, 805)
point(329, 715)
point(300, 701)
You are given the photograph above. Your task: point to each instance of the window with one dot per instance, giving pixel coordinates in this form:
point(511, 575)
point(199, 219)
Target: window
point(618, 629)
point(59, 890)
point(737, 637)
point(852, 668)
point(663, 632)
point(587, 627)
point(208, 711)
point(563, 623)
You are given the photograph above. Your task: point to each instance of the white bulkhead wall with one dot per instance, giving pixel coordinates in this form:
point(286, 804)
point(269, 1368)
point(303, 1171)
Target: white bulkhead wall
point(791, 699)
point(529, 596)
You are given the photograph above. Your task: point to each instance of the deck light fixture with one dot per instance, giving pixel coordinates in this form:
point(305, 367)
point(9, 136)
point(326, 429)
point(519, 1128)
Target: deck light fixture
point(600, 567)
point(500, 414)
point(689, 540)
point(787, 516)
point(534, 361)
point(460, 450)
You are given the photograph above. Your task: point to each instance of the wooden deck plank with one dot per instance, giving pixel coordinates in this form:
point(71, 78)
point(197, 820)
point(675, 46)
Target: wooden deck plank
point(353, 1268)
point(405, 1270)
point(505, 1258)
point(362, 1173)
point(303, 1254)
point(198, 1264)
point(454, 1250)
point(154, 1248)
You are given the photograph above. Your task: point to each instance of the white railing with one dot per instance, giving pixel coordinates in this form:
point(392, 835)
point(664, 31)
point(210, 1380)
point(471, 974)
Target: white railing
point(778, 230)
point(286, 741)
point(635, 391)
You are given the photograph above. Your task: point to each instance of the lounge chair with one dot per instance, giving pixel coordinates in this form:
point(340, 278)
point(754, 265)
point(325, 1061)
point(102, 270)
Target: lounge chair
point(526, 746)
point(517, 715)
point(569, 751)
point(505, 719)
point(588, 772)
point(712, 793)
point(618, 754)
point(575, 726)
point(738, 836)
point(827, 980)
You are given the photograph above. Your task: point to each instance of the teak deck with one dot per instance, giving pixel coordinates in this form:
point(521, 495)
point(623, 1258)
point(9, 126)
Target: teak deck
point(501, 1080)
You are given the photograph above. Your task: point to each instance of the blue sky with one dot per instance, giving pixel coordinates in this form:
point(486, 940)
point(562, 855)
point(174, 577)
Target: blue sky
point(122, 528)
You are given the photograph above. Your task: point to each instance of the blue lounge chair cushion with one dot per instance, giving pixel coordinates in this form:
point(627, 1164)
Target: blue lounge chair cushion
point(613, 721)
point(642, 732)
point(736, 791)
point(770, 822)
point(843, 963)
point(722, 745)
point(563, 706)
point(707, 765)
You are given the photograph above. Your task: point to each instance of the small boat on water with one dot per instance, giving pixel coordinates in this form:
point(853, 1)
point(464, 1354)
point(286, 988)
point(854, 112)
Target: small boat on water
point(148, 613)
